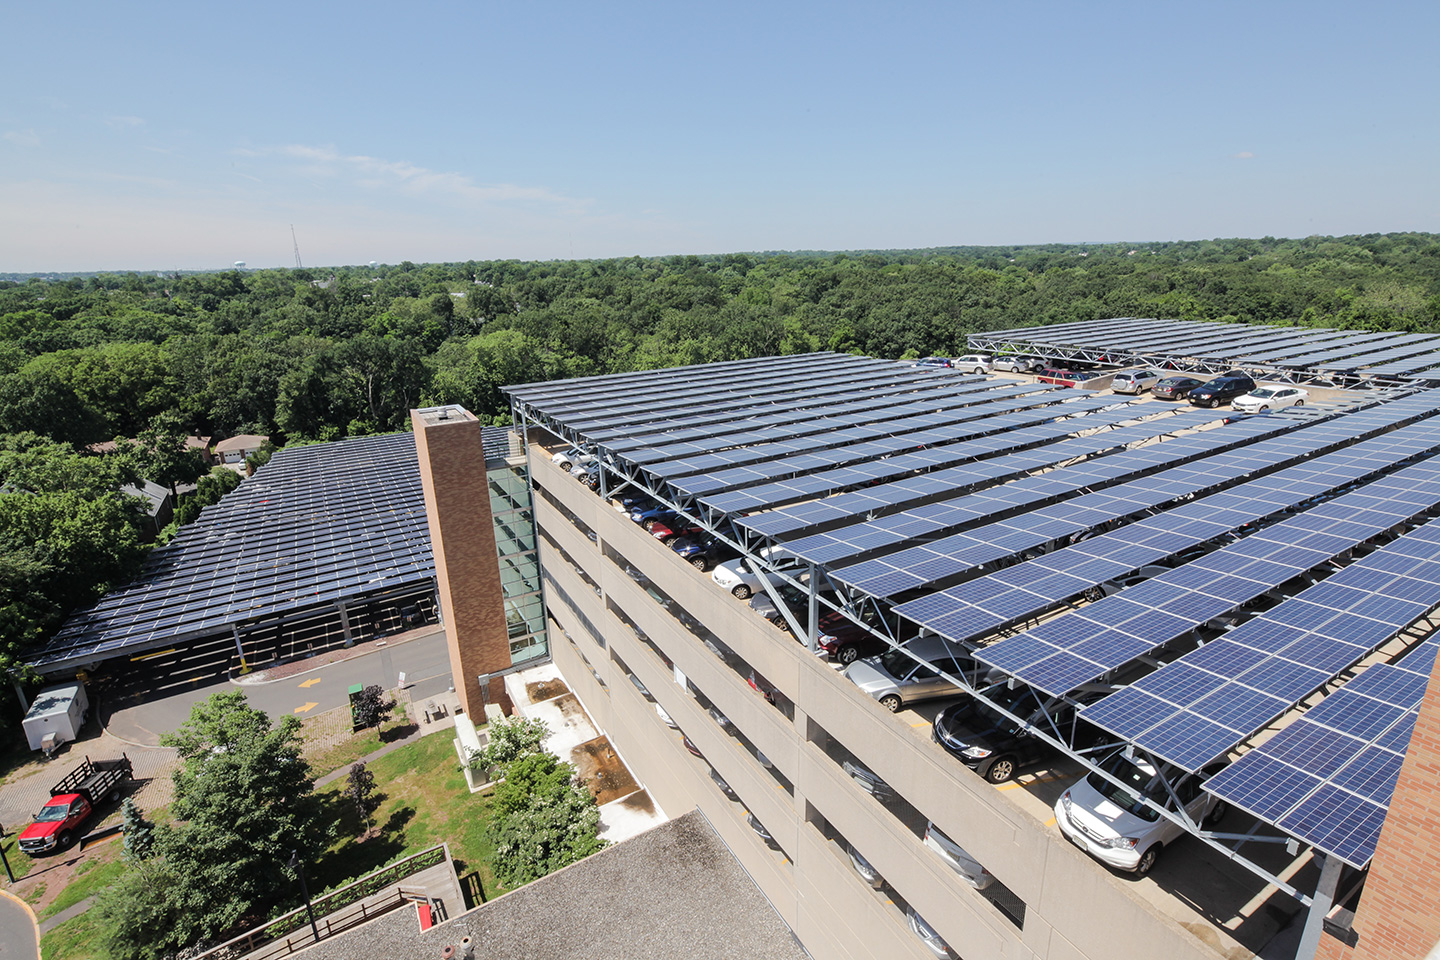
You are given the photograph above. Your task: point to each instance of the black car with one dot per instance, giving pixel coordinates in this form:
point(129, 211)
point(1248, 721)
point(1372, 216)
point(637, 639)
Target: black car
point(992, 744)
point(1175, 388)
point(1221, 390)
point(704, 553)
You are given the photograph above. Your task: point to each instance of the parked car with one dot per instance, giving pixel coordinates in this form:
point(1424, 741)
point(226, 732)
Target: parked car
point(1113, 825)
point(760, 830)
point(741, 577)
point(1135, 381)
point(725, 788)
point(844, 640)
point(869, 781)
point(629, 501)
point(72, 801)
point(1017, 362)
point(1059, 376)
point(895, 677)
point(669, 529)
point(931, 363)
point(648, 515)
point(702, 553)
point(572, 457)
point(995, 746)
point(972, 871)
point(796, 598)
point(932, 940)
point(862, 866)
point(973, 362)
point(1221, 390)
point(1175, 388)
point(1270, 398)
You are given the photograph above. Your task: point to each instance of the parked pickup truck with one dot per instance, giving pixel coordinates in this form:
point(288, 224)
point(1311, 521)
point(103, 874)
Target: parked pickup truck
point(72, 801)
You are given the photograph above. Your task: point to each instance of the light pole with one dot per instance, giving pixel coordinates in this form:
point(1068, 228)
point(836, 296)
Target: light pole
point(295, 864)
point(4, 860)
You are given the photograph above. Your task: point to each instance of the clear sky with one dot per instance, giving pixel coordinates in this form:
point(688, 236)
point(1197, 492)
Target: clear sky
point(190, 135)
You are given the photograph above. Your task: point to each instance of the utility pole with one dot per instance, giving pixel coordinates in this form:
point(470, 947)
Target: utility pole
point(298, 264)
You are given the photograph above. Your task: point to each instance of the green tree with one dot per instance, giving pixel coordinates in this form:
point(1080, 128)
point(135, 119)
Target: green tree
point(245, 800)
point(360, 790)
point(162, 455)
point(542, 819)
point(139, 833)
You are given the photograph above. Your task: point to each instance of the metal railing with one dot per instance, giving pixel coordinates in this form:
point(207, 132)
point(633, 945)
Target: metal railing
point(336, 911)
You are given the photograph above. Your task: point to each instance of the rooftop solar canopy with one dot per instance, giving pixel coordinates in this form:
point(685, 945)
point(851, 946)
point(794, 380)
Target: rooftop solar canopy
point(1329, 776)
point(1203, 705)
point(1127, 340)
point(315, 525)
point(845, 496)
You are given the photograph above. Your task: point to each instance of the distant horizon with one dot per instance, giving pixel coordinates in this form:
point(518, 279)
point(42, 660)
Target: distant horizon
point(250, 267)
point(570, 131)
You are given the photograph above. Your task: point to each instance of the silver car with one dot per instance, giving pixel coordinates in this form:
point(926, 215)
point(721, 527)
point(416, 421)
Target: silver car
point(896, 677)
point(1135, 381)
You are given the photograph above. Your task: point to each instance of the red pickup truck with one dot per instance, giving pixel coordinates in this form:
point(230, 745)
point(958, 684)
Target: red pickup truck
point(72, 800)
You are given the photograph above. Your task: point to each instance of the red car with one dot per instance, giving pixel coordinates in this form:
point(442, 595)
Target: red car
point(670, 529)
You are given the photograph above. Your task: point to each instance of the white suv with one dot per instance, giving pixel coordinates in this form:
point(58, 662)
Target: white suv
point(973, 362)
point(1112, 824)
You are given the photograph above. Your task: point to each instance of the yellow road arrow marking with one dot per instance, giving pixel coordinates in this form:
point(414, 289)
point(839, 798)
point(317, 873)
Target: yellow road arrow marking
point(311, 682)
point(307, 708)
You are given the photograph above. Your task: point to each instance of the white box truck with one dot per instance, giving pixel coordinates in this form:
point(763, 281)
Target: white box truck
point(60, 710)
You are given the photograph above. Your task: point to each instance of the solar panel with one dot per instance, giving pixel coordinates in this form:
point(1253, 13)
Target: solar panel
point(313, 525)
point(1327, 778)
point(1176, 530)
point(1303, 644)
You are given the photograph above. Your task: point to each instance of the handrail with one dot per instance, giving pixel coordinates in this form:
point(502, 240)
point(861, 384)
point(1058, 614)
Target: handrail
point(334, 911)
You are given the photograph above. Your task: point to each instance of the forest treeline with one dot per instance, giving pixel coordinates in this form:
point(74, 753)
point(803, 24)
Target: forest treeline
point(320, 354)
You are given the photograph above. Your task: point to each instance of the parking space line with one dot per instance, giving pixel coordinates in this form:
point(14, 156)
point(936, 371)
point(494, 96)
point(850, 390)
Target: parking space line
point(1050, 822)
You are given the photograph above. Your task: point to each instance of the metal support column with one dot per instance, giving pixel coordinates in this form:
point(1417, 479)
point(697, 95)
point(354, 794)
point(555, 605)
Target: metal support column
point(345, 623)
point(1319, 906)
point(812, 629)
point(235, 630)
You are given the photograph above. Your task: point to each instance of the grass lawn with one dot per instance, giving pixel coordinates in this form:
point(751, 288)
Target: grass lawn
point(75, 939)
point(329, 744)
point(93, 876)
point(426, 801)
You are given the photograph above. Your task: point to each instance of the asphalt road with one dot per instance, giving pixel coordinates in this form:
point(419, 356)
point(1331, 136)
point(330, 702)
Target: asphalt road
point(424, 660)
point(17, 931)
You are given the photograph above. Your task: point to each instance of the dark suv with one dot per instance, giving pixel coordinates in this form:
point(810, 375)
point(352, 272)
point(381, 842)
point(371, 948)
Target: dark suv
point(1222, 390)
point(995, 746)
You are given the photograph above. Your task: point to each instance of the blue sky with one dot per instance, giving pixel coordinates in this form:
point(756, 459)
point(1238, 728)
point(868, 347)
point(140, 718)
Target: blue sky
point(181, 135)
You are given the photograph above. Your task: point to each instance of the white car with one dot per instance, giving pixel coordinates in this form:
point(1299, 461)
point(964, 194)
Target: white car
point(573, 457)
point(1270, 398)
point(1135, 381)
point(742, 580)
point(969, 869)
point(932, 940)
point(972, 362)
point(1017, 363)
point(1112, 824)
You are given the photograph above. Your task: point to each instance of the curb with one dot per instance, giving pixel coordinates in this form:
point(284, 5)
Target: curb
point(35, 923)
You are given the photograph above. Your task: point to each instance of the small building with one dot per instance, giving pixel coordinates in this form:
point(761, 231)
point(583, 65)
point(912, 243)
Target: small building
point(158, 505)
point(236, 449)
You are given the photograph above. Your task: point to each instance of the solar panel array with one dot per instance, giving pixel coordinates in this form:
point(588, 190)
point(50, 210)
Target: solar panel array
point(893, 514)
point(970, 610)
point(1318, 348)
point(1203, 705)
point(1039, 441)
point(872, 442)
point(1081, 647)
point(315, 525)
point(1328, 777)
